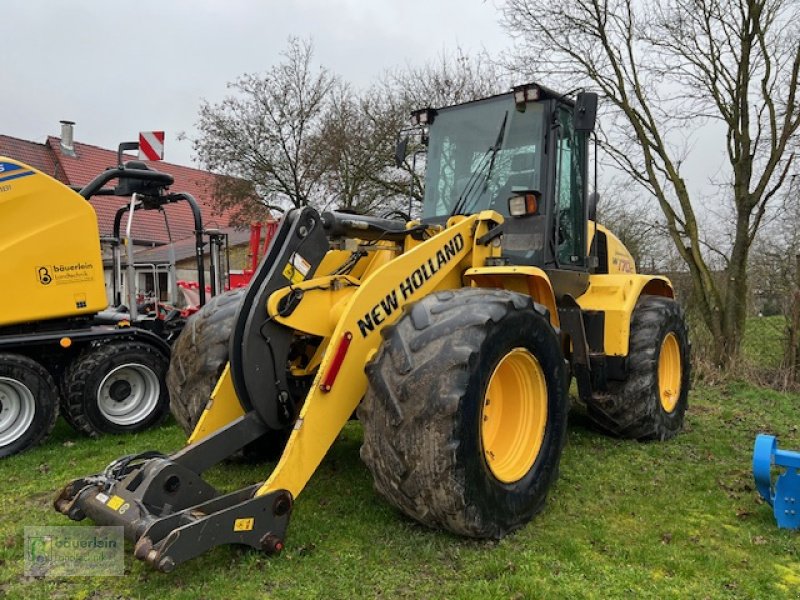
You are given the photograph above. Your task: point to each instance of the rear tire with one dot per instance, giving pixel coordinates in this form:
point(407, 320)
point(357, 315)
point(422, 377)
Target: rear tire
point(425, 439)
point(647, 405)
point(116, 387)
point(28, 403)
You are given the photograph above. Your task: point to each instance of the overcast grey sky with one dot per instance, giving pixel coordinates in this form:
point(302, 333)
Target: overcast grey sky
point(117, 68)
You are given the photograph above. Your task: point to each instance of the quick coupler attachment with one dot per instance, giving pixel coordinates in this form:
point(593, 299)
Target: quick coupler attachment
point(171, 514)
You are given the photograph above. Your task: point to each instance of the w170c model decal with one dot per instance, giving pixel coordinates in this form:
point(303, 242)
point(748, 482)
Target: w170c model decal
point(409, 286)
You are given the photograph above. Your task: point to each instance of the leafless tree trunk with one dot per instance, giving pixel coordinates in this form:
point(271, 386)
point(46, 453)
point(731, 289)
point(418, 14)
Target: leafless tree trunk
point(792, 351)
point(665, 67)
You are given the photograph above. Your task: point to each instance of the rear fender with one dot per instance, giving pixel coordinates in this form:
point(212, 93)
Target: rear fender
point(616, 296)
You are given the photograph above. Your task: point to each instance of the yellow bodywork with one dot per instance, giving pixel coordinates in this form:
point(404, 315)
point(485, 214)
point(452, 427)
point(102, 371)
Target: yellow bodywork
point(617, 292)
point(222, 408)
point(349, 311)
point(531, 281)
point(49, 248)
point(619, 259)
point(616, 295)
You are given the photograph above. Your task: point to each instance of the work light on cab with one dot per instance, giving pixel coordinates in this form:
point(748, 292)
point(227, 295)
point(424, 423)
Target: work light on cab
point(423, 117)
point(525, 203)
point(526, 93)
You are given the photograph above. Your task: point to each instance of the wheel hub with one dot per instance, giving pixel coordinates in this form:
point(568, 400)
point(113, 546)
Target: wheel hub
point(17, 410)
point(128, 394)
point(514, 415)
point(120, 390)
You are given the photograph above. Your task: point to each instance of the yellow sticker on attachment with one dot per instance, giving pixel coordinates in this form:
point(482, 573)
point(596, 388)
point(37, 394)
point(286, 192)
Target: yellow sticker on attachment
point(292, 274)
point(297, 269)
point(244, 524)
point(115, 502)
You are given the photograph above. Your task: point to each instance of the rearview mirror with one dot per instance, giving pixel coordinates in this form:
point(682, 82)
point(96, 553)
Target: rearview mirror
point(400, 152)
point(585, 115)
point(594, 197)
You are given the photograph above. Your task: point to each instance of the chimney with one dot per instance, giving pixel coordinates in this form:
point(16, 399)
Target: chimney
point(67, 138)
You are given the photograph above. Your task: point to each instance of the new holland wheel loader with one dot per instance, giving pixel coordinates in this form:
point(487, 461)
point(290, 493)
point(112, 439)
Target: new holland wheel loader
point(454, 336)
point(62, 348)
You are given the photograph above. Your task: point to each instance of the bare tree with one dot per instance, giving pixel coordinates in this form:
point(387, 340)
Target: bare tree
point(451, 78)
point(775, 270)
point(260, 138)
point(366, 145)
point(665, 67)
point(636, 225)
point(355, 144)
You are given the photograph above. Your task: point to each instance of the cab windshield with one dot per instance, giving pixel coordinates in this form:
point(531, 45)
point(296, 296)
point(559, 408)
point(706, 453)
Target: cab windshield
point(459, 148)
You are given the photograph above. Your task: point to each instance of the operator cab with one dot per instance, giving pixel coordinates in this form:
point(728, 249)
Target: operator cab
point(529, 145)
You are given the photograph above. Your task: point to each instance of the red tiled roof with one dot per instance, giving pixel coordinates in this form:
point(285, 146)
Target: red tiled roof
point(89, 161)
point(36, 155)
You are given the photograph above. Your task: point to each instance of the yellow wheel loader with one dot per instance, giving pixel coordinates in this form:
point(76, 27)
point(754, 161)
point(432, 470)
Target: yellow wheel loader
point(62, 348)
point(454, 336)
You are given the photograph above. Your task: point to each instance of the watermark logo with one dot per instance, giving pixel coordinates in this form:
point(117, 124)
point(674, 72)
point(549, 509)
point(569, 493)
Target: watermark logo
point(74, 551)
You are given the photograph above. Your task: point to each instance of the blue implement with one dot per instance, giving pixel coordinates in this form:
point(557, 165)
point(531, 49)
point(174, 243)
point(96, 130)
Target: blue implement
point(784, 496)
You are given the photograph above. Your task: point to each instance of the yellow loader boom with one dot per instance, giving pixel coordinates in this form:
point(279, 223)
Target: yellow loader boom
point(360, 309)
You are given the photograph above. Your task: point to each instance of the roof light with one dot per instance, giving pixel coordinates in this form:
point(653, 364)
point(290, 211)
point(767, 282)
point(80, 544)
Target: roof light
point(423, 117)
point(527, 92)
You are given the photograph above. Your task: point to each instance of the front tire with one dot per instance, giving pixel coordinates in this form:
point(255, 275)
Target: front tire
point(466, 410)
point(199, 356)
point(28, 403)
point(651, 403)
point(116, 387)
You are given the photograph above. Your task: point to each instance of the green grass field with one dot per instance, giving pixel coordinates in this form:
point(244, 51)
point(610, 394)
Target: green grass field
point(664, 520)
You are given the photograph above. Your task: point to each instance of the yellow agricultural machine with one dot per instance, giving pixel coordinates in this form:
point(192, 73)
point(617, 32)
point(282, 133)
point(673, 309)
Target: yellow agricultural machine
point(454, 336)
point(62, 347)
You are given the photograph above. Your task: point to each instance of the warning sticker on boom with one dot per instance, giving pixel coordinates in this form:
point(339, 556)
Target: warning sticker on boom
point(296, 269)
point(244, 524)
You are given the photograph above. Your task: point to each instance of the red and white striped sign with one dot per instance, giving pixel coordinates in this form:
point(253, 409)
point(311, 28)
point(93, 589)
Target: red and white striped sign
point(151, 145)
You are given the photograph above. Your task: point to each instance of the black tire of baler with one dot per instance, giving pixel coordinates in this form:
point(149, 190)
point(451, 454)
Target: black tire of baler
point(84, 375)
point(421, 411)
point(45, 392)
point(632, 409)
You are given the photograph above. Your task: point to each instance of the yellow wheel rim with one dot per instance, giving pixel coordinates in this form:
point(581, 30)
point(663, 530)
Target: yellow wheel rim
point(669, 372)
point(514, 415)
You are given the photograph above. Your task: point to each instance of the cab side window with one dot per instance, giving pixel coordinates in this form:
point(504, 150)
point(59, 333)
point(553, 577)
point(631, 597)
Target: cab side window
point(569, 205)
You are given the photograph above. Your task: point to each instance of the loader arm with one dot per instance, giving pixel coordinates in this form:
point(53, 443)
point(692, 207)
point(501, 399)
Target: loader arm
point(341, 382)
point(163, 503)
